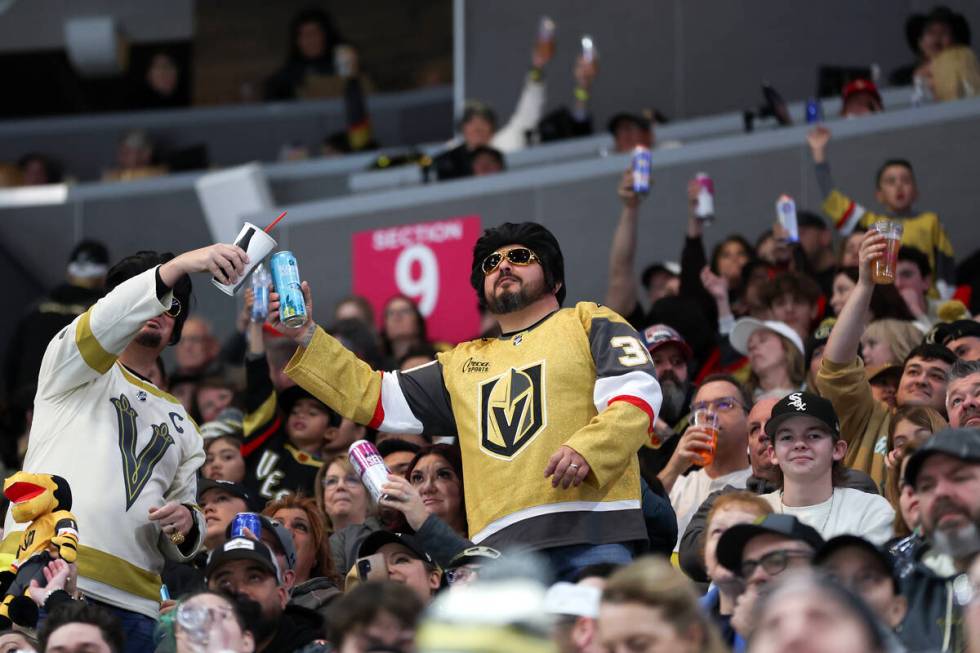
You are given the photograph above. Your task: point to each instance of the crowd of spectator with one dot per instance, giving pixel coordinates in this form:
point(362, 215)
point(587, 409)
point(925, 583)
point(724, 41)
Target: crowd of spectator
point(770, 448)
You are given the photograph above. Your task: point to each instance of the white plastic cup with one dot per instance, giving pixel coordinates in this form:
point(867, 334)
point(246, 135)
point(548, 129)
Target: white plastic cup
point(257, 244)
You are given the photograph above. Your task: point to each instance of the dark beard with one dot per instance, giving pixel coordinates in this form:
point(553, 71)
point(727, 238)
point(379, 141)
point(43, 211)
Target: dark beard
point(509, 302)
point(674, 396)
point(151, 339)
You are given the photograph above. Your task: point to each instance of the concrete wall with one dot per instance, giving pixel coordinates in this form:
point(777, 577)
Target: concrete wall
point(686, 57)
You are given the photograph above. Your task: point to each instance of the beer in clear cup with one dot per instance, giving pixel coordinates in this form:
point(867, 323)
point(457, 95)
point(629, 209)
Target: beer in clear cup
point(884, 267)
point(706, 419)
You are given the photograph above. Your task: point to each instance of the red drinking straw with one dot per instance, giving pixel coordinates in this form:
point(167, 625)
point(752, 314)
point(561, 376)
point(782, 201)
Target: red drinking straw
point(275, 222)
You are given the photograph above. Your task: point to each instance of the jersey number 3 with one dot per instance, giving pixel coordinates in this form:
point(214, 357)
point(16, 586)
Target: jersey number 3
point(138, 465)
point(634, 353)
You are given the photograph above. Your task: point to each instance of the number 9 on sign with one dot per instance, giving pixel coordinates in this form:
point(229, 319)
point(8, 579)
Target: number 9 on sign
point(425, 286)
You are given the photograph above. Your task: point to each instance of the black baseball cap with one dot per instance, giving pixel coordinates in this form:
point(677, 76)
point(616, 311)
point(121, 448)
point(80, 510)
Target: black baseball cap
point(733, 541)
point(835, 544)
point(243, 548)
point(960, 329)
point(235, 489)
point(378, 539)
point(282, 536)
point(962, 443)
point(803, 404)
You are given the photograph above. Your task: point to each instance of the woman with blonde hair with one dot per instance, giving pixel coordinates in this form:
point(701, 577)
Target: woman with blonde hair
point(650, 606)
point(888, 341)
point(775, 354)
point(341, 497)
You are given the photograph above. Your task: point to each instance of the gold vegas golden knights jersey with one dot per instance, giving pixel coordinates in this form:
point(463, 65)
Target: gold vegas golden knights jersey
point(581, 377)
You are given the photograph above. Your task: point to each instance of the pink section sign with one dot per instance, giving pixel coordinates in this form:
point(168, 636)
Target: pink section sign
point(427, 261)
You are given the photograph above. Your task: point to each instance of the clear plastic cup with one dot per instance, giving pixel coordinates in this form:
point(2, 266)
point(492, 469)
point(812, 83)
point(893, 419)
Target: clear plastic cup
point(707, 419)
point(884, 267)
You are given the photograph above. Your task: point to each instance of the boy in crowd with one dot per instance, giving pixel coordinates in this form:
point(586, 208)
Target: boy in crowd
point(896, 191)
point(286, 432)
point(794, 298)
point(805, 442)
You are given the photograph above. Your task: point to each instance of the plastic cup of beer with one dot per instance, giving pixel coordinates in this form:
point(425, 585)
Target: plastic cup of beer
point(884, 266)
point(707, 419)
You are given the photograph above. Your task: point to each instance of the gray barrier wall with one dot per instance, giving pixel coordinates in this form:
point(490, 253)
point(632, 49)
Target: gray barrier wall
point(685, 57)
point(86, 145)
point(577, 200)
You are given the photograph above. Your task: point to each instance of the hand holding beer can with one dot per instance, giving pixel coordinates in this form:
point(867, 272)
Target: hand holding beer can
point(705, 209)
point(370, 467)
point(640, 168)
point(786, 213)
point(249, 520)
point(285, 276)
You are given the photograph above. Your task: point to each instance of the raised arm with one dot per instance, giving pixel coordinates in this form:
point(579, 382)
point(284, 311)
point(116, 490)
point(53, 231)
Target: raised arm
point(414, 402)
point(842, 346)
point(89, 346)
point(621, 292)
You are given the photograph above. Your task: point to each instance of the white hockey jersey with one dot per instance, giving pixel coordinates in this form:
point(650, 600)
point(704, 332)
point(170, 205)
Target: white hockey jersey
point(124, 446)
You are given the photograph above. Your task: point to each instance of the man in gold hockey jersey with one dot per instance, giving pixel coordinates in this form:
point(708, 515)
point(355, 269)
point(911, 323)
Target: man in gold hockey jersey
point(548, 416)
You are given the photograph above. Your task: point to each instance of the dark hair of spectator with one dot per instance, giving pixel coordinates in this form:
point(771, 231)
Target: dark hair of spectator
point(363, 305)
point(72, 612)
point(733, 238)
point(531, 235)
point(354, 611)
point(230, 439)
point(917, 256)
point(492, 152)
point(322, 19)
point(422, 332)
point(809, 219)
point(52, 169)
point(452, 456)
point(886, 302)
point(744, 397)
point(419, 350)
point(798, 286)
point(476, 109)
point(145, 260)
point(323, 567)
point(888, 164)
point(928, 351)
point(394, 445)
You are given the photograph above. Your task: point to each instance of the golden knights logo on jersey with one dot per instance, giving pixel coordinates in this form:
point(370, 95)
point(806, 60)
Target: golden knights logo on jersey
point(512, 410)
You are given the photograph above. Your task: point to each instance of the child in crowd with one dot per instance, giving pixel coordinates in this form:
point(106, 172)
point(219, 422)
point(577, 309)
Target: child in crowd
point(896, 190)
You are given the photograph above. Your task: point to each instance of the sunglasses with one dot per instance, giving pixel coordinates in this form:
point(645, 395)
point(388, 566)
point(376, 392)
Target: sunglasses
point(521, 256)
point(174, 309)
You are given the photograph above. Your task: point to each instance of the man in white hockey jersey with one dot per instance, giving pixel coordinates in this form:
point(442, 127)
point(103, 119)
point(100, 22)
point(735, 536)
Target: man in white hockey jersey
point(129, 450)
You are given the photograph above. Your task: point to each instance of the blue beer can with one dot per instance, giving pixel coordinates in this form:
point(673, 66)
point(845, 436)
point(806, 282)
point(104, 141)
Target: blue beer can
point(249, 520)
point(641, 169)
point(814, 113)
point(285, 277)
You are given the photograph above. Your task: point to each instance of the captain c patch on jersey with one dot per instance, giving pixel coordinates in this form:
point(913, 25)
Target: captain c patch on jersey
point(512, 410)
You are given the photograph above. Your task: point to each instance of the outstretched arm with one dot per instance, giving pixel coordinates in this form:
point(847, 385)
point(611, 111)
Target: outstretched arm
point(412, 402)
point(842, 347)
point(621, 293)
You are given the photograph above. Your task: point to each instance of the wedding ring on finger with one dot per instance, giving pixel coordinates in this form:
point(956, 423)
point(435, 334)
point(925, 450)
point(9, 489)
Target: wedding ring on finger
point(574, 466)
point(177, 538)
